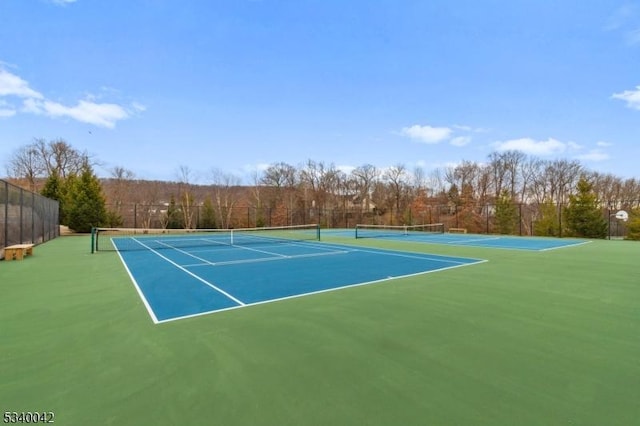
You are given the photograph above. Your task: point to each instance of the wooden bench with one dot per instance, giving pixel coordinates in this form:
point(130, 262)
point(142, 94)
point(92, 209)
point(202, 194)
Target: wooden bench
point(457, 230)
point(18, 251)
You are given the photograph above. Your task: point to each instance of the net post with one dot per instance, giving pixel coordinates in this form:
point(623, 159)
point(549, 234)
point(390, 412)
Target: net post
point(318, 232)
point(231, 236)
point(93, 236)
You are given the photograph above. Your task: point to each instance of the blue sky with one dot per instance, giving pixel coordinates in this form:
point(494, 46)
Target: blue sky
point(155, 85)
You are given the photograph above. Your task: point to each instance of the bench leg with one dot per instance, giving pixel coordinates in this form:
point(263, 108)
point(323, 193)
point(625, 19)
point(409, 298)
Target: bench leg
point(14, 254)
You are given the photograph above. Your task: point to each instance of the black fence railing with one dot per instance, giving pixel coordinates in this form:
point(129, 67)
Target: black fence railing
point(26, 217)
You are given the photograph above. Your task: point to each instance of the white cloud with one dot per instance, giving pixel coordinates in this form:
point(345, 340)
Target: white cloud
point(551, 147)
point(450, 164)
point(138, 107)
point(62, 2)
point(530, 146)
point(574, 146)
point(460, 140)
point(31, 106)
point(105, 115)
point(262, 166)
point(85, 111)
point(251, 169)
point(12, 85)
point(345, 168)
point(631, 97)
point(594, 155)
point(470, 129)
point(6, 110)
point(427, 134)
point(456, 135)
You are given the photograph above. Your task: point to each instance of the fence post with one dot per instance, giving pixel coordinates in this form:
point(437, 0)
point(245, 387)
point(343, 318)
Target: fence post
point(21, 217)
point(486, 210)
point(6, 213)
point(455, 212)
point(33, 217)
point(520, 218)
point(559, 220)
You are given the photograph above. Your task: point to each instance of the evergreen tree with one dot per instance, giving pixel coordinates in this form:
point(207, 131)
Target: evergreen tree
point(633, 225)
point(547, 223)
point(208, 216)
point(583, 216)
point(113, 219)
point(174, 216)
point(54, 189)
point(506, 213)
point(85, 204)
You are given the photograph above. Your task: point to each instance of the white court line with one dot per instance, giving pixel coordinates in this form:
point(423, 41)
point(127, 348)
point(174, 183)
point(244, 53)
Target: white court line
point(140, 292)
point(260, 251)
point(177, 249)
point(295, 296)
point(240, 302)
point(443, 258)
point(473, 240)
point(265, 259)
point(320, 246)
point(278, 256)
point(566, 245)
point(228, 245)
point(314, 245)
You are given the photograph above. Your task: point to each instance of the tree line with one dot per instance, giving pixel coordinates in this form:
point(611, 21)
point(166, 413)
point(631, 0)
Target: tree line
point(59, 171)
point(556, 194)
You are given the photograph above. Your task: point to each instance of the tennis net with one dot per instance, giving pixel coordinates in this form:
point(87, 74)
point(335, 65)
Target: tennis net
point(125, 239)
point(381, 231)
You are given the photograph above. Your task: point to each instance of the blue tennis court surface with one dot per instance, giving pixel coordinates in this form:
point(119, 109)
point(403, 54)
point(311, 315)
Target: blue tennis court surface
point(184, 282)
point(475, 240)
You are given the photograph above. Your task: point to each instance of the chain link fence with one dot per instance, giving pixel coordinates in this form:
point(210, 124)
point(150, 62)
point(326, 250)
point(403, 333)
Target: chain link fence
point(523, 219)
point(26, 217)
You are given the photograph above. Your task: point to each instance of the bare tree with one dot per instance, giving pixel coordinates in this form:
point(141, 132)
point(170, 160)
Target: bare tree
point(505, 167)
point(256, 189)
point(147, 198)
point(365, 176)
point(310, 175)
point(630, 194)
point(225, 195)
point(61, 158)
point(119, 191)
point(396, 178)
point(331, 186)
point(530, 171)
point(185, 196)
point(281, 177)
point(27, 164)
point(436, 181)
point(562, 176)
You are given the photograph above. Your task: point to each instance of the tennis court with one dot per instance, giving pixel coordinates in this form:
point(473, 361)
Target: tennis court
point(527, 337)
point(196, 273)
point(434, 234)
